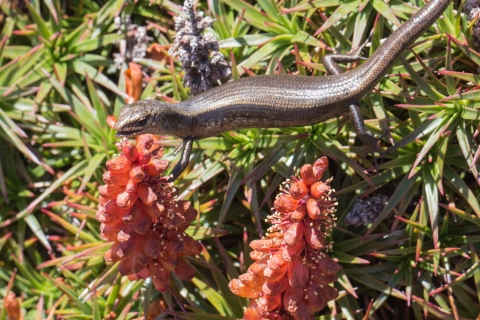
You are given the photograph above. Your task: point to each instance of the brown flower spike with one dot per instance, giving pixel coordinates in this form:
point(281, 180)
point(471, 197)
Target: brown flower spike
point(291, 273)
point(140, 214)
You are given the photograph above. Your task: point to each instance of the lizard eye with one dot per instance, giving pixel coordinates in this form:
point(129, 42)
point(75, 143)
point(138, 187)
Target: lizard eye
point(141, 122)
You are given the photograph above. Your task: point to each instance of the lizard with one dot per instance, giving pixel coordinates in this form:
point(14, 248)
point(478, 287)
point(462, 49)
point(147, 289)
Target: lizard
point(275, 101)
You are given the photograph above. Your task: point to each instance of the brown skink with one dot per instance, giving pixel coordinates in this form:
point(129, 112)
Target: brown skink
point(273, 101)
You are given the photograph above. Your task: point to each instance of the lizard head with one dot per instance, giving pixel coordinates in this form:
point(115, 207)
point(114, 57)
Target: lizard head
point(141, 117)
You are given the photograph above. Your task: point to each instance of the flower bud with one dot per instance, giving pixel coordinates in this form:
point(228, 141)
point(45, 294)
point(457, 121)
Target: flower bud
point(153, 246)
point(285, 203)
point(184, 270)
point(276, 287)
point(131, 186)
point(298, 214)
point(145, 142)
point(156, 166)
point(319, 167)
point(119, 179)
point(290, 252)
point(292, 299)
point(307, 174)
point(313, 235)
point(318, 189)
point(118, 165)
point(313, 209)
point(268, 303)
point(298, 190)
point(146, 194)
point(137, 174)
point(144, 157)
point(297, 273)
point(126, 199)
point(130, 152)
point(294, 233)
point(265, 245)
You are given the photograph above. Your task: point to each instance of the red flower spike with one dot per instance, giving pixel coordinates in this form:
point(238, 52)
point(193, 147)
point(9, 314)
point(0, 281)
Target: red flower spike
point(143, 274)
point(122, 237)
point(111, 208)
point(290, 267)
point(191, 247)
point(142, 217)
point(252, 282)
point(160, 276)
point(153, 246)
point(315, 299)
point(155, 210)
point(190, 215)
point(111, 254)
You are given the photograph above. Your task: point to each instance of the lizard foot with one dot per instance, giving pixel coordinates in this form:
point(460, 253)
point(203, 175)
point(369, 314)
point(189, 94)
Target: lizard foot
point(372, 145)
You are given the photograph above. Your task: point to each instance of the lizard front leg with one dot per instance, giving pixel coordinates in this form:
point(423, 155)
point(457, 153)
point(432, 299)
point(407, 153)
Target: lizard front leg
point(184, 159)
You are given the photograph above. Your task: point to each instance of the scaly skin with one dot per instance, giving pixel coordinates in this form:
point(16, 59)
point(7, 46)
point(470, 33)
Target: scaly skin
point(274, 101)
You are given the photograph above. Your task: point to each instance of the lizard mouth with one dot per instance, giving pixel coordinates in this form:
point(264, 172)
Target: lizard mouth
point(127, 134)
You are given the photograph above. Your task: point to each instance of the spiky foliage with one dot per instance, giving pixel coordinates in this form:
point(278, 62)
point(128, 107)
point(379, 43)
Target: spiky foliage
point(55, 93)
